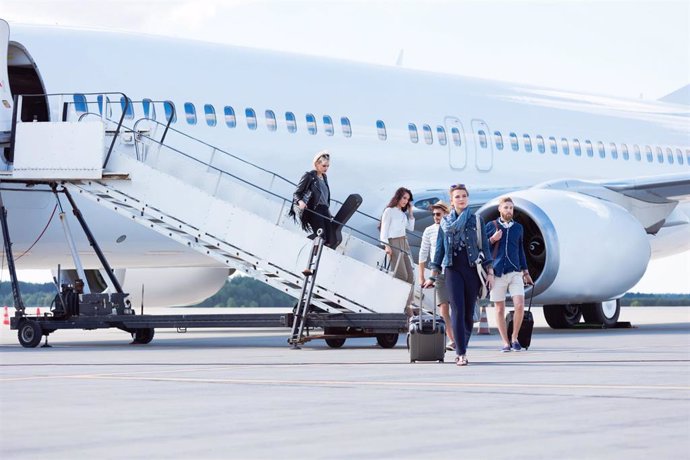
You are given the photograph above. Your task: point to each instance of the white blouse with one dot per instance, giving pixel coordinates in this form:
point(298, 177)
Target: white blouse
point(394, 222)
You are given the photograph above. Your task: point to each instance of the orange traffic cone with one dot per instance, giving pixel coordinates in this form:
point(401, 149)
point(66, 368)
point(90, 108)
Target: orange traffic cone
point(483, 323)
point(6, 317)
point(38, 311)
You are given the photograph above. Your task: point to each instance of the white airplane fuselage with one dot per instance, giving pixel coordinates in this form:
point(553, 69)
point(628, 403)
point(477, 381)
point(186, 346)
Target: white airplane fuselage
point(476, 117)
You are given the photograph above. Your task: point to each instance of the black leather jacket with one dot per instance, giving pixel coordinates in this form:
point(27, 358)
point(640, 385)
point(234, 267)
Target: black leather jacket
point(308, 190)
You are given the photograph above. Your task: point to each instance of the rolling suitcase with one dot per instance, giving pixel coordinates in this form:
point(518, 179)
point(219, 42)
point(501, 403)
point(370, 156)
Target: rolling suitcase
point(525, 332)
point(426, 337)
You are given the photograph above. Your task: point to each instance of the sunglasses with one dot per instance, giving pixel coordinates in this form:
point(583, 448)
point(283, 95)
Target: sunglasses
point(326, 156)
point(438, 214)
point(458, 186)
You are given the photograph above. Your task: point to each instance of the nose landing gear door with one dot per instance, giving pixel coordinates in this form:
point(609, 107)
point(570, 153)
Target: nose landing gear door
point(5, 95)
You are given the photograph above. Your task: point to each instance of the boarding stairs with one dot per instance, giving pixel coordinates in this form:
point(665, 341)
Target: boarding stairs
point(205, 198)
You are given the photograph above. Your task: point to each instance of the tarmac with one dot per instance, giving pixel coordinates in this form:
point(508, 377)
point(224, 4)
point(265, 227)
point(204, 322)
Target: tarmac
point(207, 394)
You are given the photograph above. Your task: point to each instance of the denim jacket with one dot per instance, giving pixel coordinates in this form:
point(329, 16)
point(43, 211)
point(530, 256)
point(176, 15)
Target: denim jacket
point(510, 252)
point(444, 254)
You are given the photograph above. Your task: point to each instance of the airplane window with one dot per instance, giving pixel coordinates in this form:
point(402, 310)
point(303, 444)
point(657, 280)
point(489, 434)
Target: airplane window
point(498, 139)
point(589, 148)
point(347, 127)
point(127, 107)
point(250, 114)
point(311, 124)
point(271, 122)
point(482, 138)
point(149, 109)
point(564, 146)
point(648, 152)
point(514, 141)
point(455, 133)
point(669, 155)
point(230, 119)
point(614, 151)
point(638, 155)
point(679, 156)
point(190, 113)
point(624, 151)
point(428, 135)
point(553, 145)
point(328, 125)
point(291, 122)
point(528, 142)
point(381, 130)
point(414, 137)
point(441, 133)
point(80, 105)
point(687, 157)
point(540, 144)
point(210, 113)
point(576, 148)
point(659, 155)
point(170, 112)
point(601, 149)
point(109, 110)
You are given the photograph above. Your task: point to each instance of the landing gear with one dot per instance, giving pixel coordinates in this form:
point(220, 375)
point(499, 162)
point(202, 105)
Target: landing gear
point(387, 340)
point(562, 316)
point(604, 313)
point(142, 336)
point(29, 334)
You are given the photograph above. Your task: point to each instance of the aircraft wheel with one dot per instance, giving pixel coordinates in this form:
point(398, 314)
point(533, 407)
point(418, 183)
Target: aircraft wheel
point(387, 340)
point(562, 316)
point(143, 336)
point(29, 334)
point(604, 313)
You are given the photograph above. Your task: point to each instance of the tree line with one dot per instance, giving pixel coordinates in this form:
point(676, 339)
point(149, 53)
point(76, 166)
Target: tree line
point(242, 291)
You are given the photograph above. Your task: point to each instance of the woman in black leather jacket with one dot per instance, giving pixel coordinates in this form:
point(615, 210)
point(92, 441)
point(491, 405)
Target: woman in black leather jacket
point(312, 198)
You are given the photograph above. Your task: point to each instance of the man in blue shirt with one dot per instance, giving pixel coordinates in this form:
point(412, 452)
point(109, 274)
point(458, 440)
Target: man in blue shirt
point(510, 269)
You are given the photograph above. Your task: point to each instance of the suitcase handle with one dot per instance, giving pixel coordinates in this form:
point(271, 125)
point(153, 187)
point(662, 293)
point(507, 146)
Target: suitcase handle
point(421, 305)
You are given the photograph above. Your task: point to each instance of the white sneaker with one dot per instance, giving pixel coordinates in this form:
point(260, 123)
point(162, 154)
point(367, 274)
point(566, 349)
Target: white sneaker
point(450, 346)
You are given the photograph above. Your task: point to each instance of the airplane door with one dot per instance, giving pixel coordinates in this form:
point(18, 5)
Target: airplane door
point(5, 95)
point(457, 147)
point(483, 148)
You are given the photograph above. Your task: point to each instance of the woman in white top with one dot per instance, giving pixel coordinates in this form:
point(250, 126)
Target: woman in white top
point(396, 220)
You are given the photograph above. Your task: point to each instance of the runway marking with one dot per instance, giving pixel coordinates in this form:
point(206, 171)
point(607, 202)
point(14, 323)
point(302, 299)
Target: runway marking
point(391, 384)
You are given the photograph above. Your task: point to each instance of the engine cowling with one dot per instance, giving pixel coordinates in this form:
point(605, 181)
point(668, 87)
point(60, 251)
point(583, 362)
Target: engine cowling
point(579, 248)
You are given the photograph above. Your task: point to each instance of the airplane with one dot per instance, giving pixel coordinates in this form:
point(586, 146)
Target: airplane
point(601, 184)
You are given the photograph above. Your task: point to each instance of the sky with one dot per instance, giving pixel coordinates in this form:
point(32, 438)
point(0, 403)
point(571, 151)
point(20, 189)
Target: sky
point(617, 48)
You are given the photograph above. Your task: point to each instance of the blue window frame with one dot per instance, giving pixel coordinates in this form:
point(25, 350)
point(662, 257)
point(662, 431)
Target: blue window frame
point(250, 114)
point(638, 154)
point(311, 124)
point(328, 125)
point(80, 104)
point(428, 135)
point(149, 109)
point(601, 149)
point(564, 146)
point(527, 142)
point(127, 107)
point(498, 140)
point(624, 152)
point(381, 130)
point(553, 145)
point(457, 137)
point(648, 153)
point(346, 126)
point(514, 142)
point(541, 147)
point(170, 112)
point(589, 148)
point(210, 114)
point(441, 134)
point(271, 122)
point(576, 148)
point(669, 155)
point(190, 113)
point(659, 155)
point(679, 156)
point(414, 135)
point(291, 122)
point(230, 118)
point(614, 151)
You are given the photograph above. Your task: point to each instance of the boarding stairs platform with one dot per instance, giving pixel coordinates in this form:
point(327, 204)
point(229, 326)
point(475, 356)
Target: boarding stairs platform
point(205, 198)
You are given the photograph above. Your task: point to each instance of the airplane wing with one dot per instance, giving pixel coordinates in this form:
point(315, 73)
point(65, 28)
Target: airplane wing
point(671, 187)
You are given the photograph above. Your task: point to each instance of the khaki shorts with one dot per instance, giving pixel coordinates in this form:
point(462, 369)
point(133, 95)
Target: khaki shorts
point(441, 290)
point(508, 282)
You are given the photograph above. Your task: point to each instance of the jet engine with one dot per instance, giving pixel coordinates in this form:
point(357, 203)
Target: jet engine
point(579, 249)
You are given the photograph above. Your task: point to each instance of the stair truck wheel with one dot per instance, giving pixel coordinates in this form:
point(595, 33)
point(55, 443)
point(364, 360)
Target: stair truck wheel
point(29, 334)
point(143, 336)
point(387, 340)
point(334, 342)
